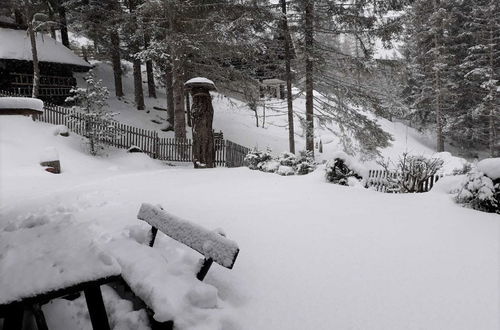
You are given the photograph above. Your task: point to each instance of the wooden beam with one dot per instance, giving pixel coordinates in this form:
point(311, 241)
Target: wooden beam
point(96, 308)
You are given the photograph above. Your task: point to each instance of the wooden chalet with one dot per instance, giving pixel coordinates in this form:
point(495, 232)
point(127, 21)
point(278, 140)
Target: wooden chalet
point(57, 64)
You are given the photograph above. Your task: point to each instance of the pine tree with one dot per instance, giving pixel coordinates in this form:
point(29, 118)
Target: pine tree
point(482, 66)
point(97, 123)
point(332, 92)
point(102, 22)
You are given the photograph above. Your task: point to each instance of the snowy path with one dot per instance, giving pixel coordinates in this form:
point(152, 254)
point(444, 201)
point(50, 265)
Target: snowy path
point(313, 255)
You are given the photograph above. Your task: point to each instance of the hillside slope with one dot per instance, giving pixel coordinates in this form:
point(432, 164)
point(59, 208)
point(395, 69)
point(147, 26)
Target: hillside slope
point(238, 122)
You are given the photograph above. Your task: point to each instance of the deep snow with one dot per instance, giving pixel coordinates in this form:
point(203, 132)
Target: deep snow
point(313, 255)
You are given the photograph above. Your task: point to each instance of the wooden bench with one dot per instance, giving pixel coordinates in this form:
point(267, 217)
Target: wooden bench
point(214, 246)
point(13, 312)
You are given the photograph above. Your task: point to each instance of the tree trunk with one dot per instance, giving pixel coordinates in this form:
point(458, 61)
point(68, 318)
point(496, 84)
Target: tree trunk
point(188, 111)
point(179, 115)
point(116, 61)
point(170, 95)
point(149, 70)
point(134, 47)
point(52, 28)
point(438, 96)
point(138, 92)
point(309, 44)
point(203, 137)
point(492, 87)
point(63, 25)
point(34, 53)
point(288, 58)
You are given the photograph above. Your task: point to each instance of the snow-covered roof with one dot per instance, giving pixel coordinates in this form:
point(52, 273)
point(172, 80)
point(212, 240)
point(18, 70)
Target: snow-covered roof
point(9, 103)
point(15, 45)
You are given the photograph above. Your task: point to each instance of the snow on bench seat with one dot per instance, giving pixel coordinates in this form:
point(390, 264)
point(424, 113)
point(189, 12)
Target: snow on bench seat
point(40, 257)
point(209, 243)
point(168, 288)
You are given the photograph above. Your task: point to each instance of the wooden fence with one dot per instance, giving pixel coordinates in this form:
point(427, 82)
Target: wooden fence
point(381, 180)
point(227, 153)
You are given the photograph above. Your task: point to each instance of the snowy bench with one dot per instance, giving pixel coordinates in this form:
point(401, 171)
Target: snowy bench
point(45, 261)
point(213, 245)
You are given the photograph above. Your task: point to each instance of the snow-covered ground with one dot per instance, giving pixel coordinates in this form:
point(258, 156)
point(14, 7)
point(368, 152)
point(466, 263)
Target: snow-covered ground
point(313, 255)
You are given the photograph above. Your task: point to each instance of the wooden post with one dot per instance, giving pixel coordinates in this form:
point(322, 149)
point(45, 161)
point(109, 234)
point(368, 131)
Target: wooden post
point(205, 267)
point(41, 323)
point(96, 308)
point(202, 114)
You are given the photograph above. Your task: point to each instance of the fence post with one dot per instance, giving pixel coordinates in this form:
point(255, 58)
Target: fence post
point(156, 141)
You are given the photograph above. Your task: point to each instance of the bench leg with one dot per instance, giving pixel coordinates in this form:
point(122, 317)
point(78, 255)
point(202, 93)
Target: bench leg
point(14, 318)
point(96, 308)
point(205, 267)
point(152, 238)
point(41, 323)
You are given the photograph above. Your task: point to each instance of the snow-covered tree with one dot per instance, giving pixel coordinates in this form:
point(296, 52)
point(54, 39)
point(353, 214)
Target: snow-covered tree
point(96, 123)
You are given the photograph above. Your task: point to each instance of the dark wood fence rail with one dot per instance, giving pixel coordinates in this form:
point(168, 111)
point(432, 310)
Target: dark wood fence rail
point(380, 180)
point(227, 153)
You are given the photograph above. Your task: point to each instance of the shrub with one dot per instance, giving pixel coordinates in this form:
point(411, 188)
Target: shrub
point(305, 163)
point(256, 157)
point(480, 193)
point(342, 169)
point(286, 164)
point(411, 172)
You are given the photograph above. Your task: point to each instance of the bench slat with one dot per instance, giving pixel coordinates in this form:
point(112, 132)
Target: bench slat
point(209, 243)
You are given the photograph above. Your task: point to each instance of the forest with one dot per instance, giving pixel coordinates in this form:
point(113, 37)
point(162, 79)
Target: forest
point(441, 74)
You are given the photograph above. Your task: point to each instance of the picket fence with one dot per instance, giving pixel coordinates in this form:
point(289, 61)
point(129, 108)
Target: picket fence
point(380, 180)
point(227, 153)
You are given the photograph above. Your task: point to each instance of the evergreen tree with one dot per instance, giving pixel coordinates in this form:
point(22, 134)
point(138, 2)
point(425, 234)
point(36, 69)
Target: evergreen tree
point(482, 70)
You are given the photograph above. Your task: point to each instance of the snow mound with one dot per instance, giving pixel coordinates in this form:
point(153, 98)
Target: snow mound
point(490, 167)
point(8, 103)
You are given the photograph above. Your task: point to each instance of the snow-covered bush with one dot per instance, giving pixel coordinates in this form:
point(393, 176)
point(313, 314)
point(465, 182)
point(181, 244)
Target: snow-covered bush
point(342, 169)
point(305, 163)
point(480, 193)
point(256, 157)
point(287, 159)
point(411, 172)
point(95, 123)
point(286, 164)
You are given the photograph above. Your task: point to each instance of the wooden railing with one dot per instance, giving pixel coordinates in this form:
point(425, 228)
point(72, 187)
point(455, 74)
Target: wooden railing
point(227, 153)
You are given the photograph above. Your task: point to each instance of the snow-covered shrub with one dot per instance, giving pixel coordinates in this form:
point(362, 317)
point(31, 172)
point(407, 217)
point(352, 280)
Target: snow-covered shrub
point(480, 193)
point(97, 124)
point(411, 172)
point(287, 159)
point(256, 157)
point(342, 169)
point(305, 163)
point(285, 170)
point(466, 168)
point(286, 164)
